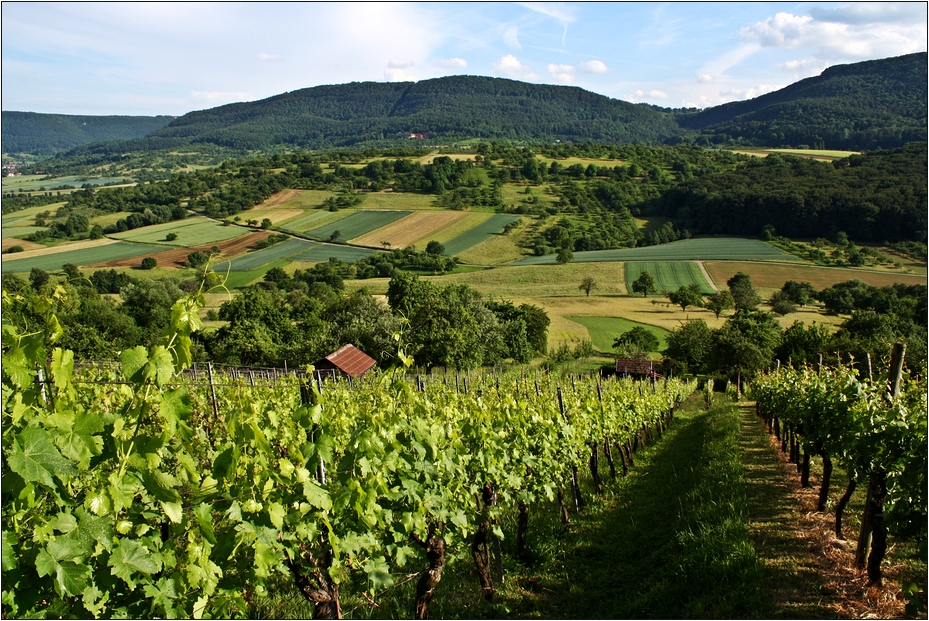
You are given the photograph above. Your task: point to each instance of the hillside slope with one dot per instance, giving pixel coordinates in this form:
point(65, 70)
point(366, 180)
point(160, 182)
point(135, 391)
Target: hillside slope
point(879, 103)
point(47, 134)
point(445, 109)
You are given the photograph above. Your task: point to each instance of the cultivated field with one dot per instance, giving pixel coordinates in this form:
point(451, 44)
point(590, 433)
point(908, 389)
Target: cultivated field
point(259, 258)
point(484, 231)
point(697, 249)
point(668, 275)
point(192, 231)
point(774, 275)
point(357, 224)
point(87, 256)
point(314, 219)
point(499, 249)
point(420, 226)
point(397, 200)
point(176, 257)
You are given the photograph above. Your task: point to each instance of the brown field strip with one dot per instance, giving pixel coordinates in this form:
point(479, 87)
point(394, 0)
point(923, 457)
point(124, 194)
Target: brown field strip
point(9, 242)
point(278, 199)
point(177, 256)
point(414, 227)
point(43, 251)
point(774, 275)
point(274, 215)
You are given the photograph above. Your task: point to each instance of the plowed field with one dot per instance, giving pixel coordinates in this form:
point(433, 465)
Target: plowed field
point(176, 257)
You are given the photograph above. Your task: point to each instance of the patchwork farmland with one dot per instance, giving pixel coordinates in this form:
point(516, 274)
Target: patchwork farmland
point(81, 257)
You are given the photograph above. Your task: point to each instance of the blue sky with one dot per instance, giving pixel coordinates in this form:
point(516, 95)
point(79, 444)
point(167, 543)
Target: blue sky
point(140, 58)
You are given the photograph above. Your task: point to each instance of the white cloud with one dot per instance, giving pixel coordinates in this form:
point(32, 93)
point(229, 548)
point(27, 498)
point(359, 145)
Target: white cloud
point(564, 13)
point(738, 94)
point(840, 35)
point(511, 38)
point(640, 95)
point(704, 78)
point(269, 57)
point(454, 63)
point(510, 67)
point(216, 98)
point(562, 73)
point(593, 66)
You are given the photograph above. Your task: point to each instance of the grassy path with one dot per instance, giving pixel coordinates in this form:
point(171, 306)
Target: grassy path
point(794, 585)
point(672, 542)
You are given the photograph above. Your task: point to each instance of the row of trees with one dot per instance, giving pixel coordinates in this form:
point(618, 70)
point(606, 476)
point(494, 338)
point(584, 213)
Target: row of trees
point(752, 340)
point(294, 320)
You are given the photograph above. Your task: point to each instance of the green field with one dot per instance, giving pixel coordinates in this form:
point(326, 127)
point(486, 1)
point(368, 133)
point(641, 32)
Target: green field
point(193, 231)
point(480, 233)
point(698, 249)
point(314, 220)
point(603, 330)
point(243, 278)
point(20, 231)
point(34, 183)
point(668, 275)
point(83, 256)
point(259, 258)
point(323, 252)
point(357, 224)
point(398, 200)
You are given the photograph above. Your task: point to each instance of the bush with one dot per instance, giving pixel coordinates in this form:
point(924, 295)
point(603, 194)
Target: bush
point(149, 263)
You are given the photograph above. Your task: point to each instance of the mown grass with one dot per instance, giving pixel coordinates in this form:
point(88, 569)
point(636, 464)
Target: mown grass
point(603, 330)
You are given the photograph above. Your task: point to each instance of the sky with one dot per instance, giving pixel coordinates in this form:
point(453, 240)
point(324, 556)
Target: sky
point(139, 58)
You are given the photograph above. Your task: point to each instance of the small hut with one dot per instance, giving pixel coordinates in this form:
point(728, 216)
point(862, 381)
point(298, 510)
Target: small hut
point(346, 361)
point(636, 369)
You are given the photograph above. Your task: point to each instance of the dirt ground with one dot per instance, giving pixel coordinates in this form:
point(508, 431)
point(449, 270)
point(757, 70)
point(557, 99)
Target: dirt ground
point(176, 257)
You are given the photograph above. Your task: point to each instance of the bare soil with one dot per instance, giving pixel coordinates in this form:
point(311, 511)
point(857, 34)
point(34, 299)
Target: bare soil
point(176, 257)
point(815, 573)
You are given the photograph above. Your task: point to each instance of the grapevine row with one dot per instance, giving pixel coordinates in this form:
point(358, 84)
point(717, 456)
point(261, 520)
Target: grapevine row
point(873, 430)
point(127, 492)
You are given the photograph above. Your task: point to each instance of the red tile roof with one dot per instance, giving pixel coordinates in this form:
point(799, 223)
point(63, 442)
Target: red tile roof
point(635, 367)
point(351, 360)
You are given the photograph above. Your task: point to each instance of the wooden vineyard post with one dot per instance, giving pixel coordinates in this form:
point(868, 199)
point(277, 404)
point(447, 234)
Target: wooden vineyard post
point(575, 482)
point(209, 369)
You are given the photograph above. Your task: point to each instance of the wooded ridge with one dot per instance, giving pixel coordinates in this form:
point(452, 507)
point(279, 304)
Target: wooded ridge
point(868, 105)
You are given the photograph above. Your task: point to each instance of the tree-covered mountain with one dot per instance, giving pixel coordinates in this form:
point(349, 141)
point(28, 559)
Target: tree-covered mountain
point(444, 109)
point(47, 134)
point(862, 106)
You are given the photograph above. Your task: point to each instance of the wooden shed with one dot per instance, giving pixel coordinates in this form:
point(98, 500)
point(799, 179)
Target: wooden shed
point(639, 369)
point(346, 361)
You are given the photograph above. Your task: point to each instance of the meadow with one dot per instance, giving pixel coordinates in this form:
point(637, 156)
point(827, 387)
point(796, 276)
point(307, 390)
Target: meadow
point(603, 330)
point(192, 231)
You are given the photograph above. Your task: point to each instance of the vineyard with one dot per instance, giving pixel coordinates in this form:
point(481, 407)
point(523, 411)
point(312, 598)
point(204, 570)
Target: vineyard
point(138, 490)
point(875, 431)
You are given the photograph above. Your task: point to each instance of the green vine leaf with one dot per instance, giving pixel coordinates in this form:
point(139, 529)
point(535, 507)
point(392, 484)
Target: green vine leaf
point(34, 457)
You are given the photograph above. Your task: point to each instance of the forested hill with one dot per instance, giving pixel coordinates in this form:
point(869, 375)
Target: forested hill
point(47, 134)
point(444, 109)
point(862, 106)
